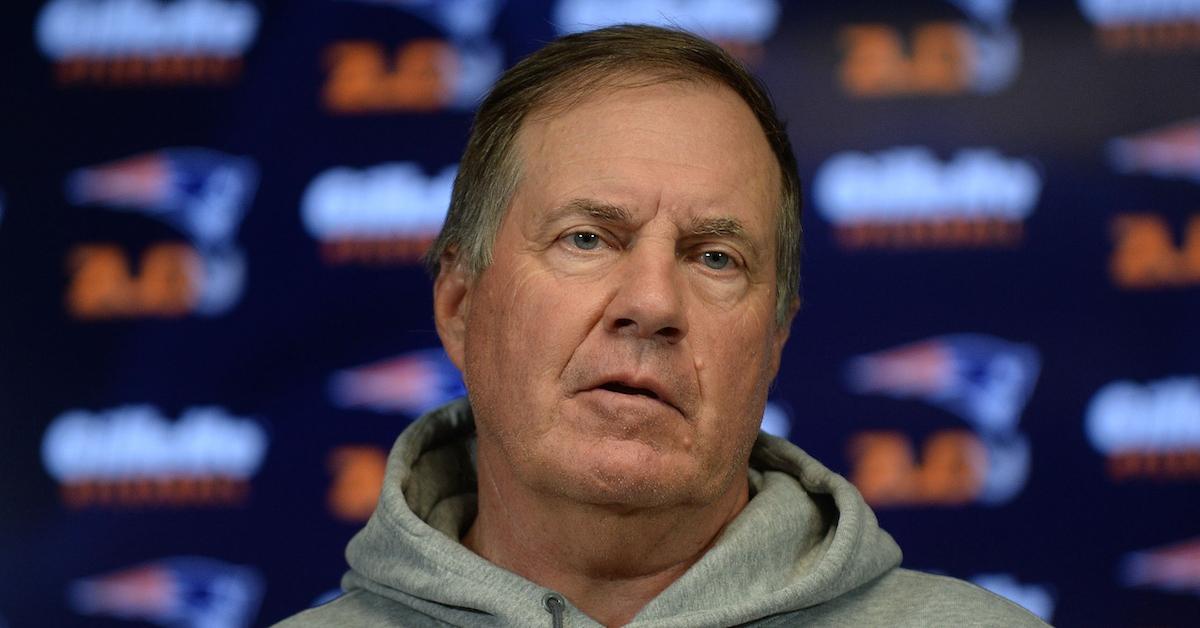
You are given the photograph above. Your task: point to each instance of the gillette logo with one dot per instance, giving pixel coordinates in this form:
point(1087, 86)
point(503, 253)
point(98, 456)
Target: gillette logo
point(145, 42)
point(200, 193)
point(177, 591)
point(412, 384)
point(1147, 431)
point(132, 456)
point(986, 382)
point(740, 26)
point(1114, 11)
point(385, 214)
point(1174, 568)
point(1144, 25)
point(906, 198)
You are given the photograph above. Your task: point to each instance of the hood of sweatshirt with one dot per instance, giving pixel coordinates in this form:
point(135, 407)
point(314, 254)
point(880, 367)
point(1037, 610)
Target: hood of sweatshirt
point(806, 537)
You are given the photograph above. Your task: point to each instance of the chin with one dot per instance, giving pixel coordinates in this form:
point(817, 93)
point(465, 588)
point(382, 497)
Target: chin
point(627, 474)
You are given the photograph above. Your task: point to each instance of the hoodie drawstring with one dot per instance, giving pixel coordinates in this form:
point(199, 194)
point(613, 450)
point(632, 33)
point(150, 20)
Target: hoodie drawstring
point(555, 605)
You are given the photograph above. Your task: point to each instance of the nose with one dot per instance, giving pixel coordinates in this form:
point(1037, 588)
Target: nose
point(649, 299)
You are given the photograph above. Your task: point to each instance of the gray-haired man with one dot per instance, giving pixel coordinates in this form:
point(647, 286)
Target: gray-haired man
point(616, 280)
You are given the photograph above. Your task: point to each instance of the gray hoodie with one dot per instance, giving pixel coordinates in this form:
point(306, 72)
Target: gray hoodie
point(806, 551)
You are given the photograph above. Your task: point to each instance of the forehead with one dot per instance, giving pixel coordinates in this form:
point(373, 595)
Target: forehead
point(693, 149)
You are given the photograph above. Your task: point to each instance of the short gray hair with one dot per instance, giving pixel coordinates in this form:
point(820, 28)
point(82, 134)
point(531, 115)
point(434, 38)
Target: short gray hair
point(563, 73)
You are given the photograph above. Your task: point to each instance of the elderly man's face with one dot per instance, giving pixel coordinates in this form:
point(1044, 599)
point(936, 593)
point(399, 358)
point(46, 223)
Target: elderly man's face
point(619, 349)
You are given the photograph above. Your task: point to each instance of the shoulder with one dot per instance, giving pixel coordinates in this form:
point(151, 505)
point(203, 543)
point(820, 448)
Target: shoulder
point(360, 608)
point(950, 600)
point(903, 597)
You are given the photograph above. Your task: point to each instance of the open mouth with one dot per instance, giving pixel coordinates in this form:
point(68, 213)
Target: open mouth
point(618, 387)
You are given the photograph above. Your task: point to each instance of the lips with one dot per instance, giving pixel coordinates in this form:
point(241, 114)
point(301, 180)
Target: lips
point(638, 386)
point(624, 389)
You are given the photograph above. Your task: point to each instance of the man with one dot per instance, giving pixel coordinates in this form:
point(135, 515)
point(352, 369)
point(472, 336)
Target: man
point(616, 279)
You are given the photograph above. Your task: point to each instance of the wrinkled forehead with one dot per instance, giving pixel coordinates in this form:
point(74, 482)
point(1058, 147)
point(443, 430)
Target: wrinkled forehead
point(699, 131)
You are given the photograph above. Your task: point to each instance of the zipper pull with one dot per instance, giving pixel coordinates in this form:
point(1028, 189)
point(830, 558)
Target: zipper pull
point(555, 605)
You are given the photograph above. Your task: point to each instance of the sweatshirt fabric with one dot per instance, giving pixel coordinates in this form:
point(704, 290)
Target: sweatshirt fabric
point(805, 551)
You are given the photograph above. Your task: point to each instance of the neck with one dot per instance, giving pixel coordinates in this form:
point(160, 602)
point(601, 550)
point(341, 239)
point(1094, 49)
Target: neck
point(610, 562)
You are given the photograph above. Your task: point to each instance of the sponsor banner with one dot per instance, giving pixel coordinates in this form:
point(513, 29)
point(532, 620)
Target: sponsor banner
point(906, 198)
point(1174, 568)
point(739, 26)
point(387, 214)
point(200, 193)
point(979, 55)
point(1169, 152)
point(134, 457)
point(1124, 26)
point(175, 591)
point(985, 381)
point(1147, 431)
point(134, 43)
point(1038, 599)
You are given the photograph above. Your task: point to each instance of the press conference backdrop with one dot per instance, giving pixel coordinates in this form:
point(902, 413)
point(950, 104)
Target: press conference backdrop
point(214, 323)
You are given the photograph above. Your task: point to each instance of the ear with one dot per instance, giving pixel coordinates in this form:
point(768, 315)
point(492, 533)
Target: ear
point(451, 305)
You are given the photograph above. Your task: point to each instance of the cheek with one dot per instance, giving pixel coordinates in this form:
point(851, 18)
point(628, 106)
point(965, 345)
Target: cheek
point(735, 362)
point(529, 327)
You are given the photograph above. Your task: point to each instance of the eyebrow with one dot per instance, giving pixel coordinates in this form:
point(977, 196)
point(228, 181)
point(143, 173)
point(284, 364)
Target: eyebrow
point(604, 212)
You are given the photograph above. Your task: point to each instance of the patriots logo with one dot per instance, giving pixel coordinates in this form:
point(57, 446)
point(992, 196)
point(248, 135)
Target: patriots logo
point(984, 380)
point(412, 384)
point(1174, 568)
point(1170, 152)
point(182, 592)
point(202, 193)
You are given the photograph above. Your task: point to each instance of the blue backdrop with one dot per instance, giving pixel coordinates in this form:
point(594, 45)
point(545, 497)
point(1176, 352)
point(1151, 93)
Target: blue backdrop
point(213, 323)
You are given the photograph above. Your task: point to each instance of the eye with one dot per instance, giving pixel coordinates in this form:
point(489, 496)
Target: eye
point(715, 260)
point(585, 240)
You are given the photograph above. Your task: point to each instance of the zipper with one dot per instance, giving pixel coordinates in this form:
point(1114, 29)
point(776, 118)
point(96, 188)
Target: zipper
point(555, 605)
